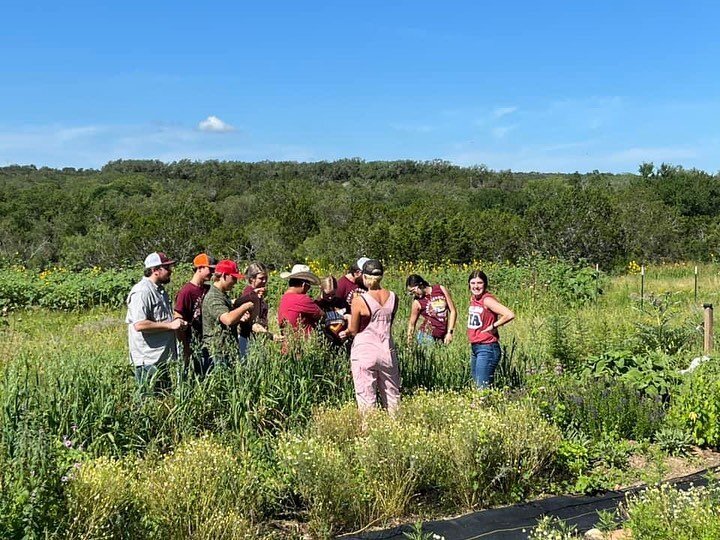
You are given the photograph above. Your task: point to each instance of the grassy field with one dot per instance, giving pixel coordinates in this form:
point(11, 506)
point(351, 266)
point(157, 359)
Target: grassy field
point(588, 380)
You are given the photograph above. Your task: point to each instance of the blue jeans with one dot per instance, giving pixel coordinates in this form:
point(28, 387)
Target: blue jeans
point(423, 338)
point(243, 343)
point(152, 378)
point(484, 358)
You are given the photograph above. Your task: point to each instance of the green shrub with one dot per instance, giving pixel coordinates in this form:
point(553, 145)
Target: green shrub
point(104, 501)
point(650, 373)
point(204, 490)
point(464, 449)
point(597, 406)
point(695, 406)
point(674, 441)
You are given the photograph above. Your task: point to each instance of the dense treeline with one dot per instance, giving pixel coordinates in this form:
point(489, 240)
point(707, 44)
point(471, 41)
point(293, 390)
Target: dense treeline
point(331, 211)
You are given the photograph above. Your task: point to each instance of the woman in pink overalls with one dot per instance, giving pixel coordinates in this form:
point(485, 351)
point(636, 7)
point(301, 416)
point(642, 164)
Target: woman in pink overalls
point(373, 357)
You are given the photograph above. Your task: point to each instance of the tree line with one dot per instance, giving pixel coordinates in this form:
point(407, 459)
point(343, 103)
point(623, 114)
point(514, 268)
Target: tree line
point(331, 212)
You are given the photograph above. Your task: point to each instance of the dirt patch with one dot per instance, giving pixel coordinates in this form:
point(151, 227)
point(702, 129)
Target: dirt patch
point(674, 467)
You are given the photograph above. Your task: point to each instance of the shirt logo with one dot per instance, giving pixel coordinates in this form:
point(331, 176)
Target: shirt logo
point(475, 317)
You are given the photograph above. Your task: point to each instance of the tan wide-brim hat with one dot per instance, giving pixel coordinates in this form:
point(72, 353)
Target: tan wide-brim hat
point(301, 271)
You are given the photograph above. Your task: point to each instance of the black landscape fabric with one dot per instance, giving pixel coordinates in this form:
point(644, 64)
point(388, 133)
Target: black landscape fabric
point(507, 523)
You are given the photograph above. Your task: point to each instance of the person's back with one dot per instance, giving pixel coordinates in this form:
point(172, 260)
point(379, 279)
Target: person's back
point(375, 328)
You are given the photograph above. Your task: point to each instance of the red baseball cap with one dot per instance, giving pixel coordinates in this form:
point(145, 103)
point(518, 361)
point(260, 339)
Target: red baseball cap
point(226, 266)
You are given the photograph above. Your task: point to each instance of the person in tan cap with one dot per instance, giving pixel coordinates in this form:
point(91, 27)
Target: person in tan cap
point(188, 307)
point(297, 310)
point(220, 318)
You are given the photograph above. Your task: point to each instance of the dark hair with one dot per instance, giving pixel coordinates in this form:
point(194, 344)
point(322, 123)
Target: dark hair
point(353, 268)
point(148, 272)
point(415, 280)
point(254, 269)
point(479, 274)
point(295, 282)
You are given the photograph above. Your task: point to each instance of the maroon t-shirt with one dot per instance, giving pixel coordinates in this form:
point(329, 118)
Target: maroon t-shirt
point(297, 309)
point(262, 314)
point(434, 309)
point(188, 303)
point(344, 291)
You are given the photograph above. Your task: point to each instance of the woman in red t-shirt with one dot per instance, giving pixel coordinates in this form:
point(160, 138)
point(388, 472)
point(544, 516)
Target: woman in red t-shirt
point(437, 308)
point(485, 315)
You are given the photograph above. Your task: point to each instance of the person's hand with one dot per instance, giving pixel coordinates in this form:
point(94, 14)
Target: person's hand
point(258, 328)
point(448, 338)
point(260, 291)
point(343, 335)
point(245, 316)
point(177, 324)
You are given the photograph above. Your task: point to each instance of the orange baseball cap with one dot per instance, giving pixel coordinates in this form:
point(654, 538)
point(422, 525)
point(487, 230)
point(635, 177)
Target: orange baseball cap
point(204, 260)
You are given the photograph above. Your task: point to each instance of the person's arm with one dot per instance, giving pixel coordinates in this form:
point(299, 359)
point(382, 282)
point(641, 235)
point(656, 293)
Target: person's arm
point(153, 326)
point(141, 310)
point(234, 316)
point(358, 308)
point(412, 322)
point(452, 318)
point(505, 315)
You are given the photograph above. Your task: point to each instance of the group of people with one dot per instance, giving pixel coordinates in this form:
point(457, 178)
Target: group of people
point(354, 313)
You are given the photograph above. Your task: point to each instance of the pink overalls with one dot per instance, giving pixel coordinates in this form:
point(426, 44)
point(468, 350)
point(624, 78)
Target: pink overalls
point(373, 358)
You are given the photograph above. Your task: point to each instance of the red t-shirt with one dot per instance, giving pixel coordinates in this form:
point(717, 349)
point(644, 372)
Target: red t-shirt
point(480, 321)
point(297, 309)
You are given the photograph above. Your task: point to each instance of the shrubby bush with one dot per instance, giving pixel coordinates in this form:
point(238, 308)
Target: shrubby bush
point(201, 490)
point(695, 405)
point(466, 449)
point(63, 289)
point(668, 513)
point(598, 406)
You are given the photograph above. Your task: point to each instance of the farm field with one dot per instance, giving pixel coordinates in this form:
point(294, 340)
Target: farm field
point(588, 397)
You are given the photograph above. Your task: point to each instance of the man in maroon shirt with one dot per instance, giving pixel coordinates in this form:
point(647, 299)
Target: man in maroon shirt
point(349, 283)
point(297, 311)
point(188, 304)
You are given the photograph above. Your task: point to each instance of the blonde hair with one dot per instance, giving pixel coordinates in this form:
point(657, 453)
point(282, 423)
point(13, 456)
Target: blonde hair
point(328, 283)
point(372, 281)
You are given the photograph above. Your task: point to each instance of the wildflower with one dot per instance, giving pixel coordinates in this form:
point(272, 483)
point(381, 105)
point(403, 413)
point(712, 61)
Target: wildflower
point(67, 442)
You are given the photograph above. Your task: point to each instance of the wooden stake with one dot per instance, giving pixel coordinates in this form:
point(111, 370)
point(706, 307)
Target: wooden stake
point(708, 325)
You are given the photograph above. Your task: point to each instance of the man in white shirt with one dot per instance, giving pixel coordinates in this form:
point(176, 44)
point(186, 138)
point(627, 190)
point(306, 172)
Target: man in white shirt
point(151, 323)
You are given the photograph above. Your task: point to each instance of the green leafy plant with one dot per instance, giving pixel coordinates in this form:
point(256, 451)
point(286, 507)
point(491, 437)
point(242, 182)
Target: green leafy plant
point(673, 440)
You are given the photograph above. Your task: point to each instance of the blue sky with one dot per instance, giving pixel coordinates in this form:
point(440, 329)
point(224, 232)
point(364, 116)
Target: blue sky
point(527, 86)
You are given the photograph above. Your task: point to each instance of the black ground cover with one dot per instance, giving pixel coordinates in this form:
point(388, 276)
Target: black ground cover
point(507, 523)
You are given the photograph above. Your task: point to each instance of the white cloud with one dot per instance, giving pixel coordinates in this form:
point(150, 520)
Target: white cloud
point(499, 112)
point(93, 146)
point(501, 131)
point(214, 125)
